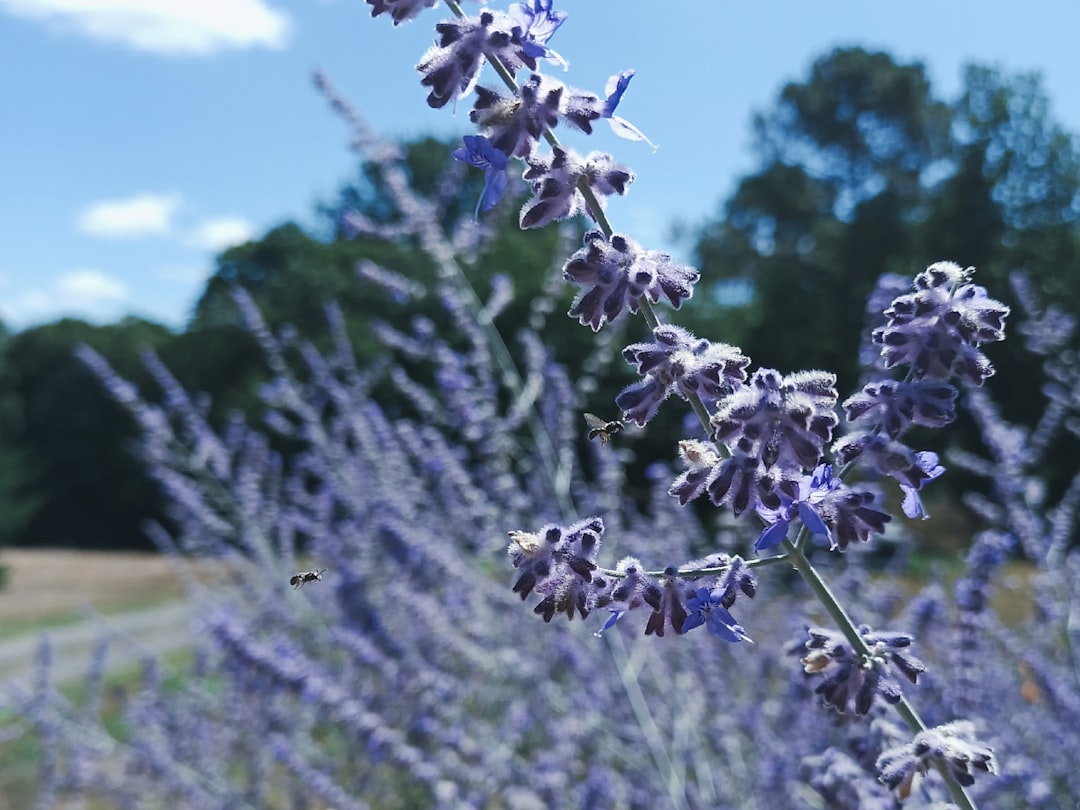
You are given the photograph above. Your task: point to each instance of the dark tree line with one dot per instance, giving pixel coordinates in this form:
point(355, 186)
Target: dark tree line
point(861, 170)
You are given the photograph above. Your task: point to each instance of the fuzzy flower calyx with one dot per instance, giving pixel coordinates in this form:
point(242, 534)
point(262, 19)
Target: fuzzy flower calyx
point(399, 10)
point(555, 180)
point(783, 420)
point(953, 745)
point(937, 329)
point(617, 272)
point(558, 563)
point(895, 405)
point(854, 678)
point(451, 66)
point(851, 515)
point(677, 361)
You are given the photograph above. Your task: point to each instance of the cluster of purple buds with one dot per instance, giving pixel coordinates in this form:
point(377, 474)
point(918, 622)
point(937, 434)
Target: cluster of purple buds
point(559, 564)
point(774, 427)
point(514, 39)
point(555, 180)
point(952, 745)
point(935, 332)
point(853, 678)
point(617, 273)
point(676, 361)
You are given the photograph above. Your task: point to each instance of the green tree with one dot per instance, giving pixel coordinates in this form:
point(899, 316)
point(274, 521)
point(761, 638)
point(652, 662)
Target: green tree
point(85, 487)
point(16, 504)
point(800, 243)
point(292, 273)
point(862, 170)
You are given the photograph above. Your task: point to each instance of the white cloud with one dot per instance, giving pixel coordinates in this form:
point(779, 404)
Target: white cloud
point(143, 215)
point(84, 293)
point(90, 286)
point(187, 274)
point(223, 232)
point(171, 27)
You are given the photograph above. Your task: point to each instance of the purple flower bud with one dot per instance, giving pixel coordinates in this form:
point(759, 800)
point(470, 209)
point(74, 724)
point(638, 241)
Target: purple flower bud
point(851, 516)
point(953, 745)
point(937, 329)
point(700, 460)
point(738, 577)
point(677, 361)
point(555, 182)
point(617, 273)
point(781, 420)
point(399, 10)
point(515, 123)
point(451, 66)
point(855, 679)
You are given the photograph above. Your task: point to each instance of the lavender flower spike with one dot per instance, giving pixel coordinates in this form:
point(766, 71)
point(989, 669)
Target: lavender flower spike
point(937, 329)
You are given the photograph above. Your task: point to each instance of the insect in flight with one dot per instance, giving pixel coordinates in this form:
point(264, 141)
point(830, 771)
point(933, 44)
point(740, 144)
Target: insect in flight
point(299, 580)
point(599, 429)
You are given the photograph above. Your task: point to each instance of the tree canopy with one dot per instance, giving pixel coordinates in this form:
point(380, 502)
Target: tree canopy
point(861, 170)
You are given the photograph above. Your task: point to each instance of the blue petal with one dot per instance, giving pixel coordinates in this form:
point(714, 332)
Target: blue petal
point(723, 625)
point(494, 187)
point(615, 616)
point(772, 535)
point(616, 86)
point(691, 621)
point(912, 504)
point(812, 520)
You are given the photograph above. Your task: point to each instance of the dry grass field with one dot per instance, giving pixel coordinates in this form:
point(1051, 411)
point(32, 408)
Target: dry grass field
point(46, 588)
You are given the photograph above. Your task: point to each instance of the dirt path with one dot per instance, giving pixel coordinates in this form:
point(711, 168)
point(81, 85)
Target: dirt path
point(76, 598)
point(132, 636)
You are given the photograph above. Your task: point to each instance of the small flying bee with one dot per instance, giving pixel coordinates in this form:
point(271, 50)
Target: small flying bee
point(299, 580)
point(599, 429)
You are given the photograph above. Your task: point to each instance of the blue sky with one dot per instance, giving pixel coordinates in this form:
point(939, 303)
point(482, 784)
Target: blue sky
point(140, 137)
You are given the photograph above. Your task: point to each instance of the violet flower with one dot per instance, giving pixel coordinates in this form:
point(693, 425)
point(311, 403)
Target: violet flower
point(478, 151)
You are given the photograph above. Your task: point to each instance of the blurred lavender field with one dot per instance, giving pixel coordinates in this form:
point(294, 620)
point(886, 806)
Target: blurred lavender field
point(411, 674)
